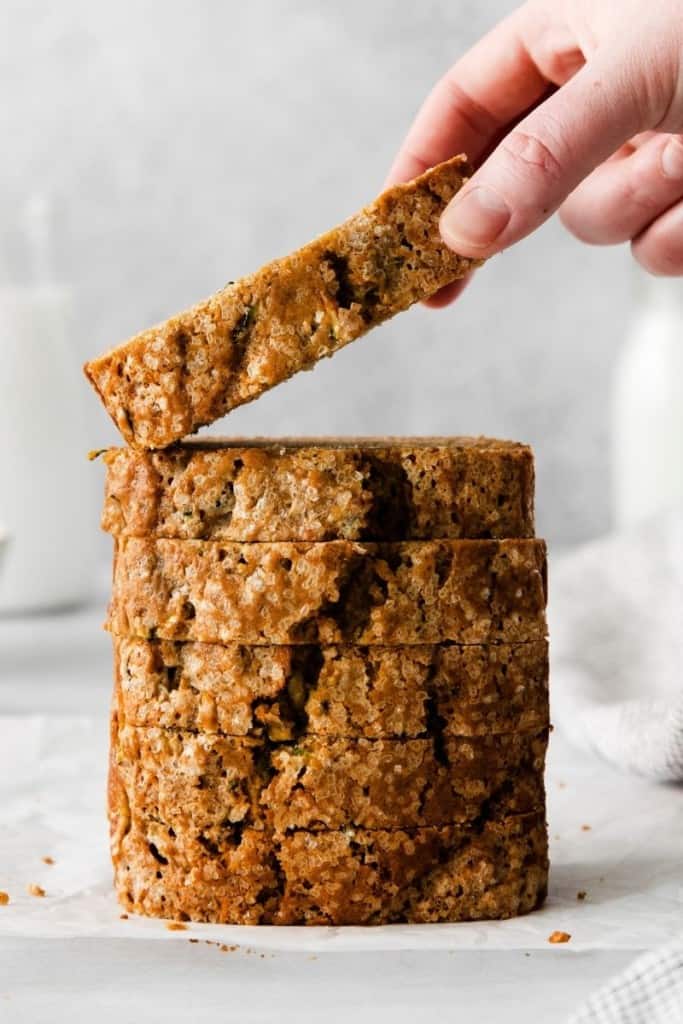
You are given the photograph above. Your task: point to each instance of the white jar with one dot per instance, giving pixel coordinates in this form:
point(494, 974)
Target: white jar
point(47, 497)
point(647, 408)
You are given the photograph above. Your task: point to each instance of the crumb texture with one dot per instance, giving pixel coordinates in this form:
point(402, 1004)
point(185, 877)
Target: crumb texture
point(363, 490)
point(465, 591)
point(172, 379)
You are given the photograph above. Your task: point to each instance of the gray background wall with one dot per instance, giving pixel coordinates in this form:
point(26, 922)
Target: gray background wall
point(183, 143)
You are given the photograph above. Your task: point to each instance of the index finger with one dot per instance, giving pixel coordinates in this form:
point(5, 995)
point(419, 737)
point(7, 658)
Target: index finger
point(492, 85)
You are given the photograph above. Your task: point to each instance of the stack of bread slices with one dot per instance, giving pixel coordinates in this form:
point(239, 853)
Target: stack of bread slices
point(331, 674)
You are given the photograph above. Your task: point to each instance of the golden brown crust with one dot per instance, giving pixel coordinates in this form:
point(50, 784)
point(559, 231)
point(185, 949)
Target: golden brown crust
point(402, 489)
point(170, 380)
point(284, 692)
point(467, 591)
point(355, 876)
point(215, 782)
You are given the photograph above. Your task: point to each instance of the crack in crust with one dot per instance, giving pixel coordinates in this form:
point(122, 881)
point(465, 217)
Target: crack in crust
point(468, 591)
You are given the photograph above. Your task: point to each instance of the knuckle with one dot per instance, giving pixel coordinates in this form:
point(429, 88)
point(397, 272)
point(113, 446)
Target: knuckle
point(658, 91)
point(560, 64)
point(655, 73)
point(528, 153)
point(416, 156)
point(478, 119)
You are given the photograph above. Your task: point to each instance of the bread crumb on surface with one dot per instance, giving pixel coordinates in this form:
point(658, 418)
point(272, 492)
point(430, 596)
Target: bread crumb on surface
point(47, 860)
point(35, 890)
point(581, 894)
point(123, 917)
point(4, 899)
point(176, 926)
point(557, 937)
point(585, 828)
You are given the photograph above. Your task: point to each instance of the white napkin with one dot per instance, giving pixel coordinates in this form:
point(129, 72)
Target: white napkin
point(650, 991)
point(616, 629)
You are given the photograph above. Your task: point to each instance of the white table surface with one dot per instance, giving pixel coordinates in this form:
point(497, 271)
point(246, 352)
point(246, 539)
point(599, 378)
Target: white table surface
point(61, 665)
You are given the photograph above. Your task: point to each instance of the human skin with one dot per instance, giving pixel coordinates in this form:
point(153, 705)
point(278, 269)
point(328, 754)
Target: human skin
point(569, 105)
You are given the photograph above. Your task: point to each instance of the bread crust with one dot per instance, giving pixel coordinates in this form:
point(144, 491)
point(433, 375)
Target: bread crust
point(327, 489)
point(466, 591)
point(182, 374)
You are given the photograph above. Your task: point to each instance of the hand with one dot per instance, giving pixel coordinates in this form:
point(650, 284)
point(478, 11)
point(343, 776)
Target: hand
point(568, 104)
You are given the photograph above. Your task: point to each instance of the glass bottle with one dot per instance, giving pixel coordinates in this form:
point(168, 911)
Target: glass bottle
point(647, 407)
point(47, 502)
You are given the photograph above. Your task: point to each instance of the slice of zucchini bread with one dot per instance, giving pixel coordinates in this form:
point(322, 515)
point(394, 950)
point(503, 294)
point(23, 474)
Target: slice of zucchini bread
point(497, 869)
point(212, 781)
point(338, 591)
point(284, 692)
point(316, 489)
point(254, 333)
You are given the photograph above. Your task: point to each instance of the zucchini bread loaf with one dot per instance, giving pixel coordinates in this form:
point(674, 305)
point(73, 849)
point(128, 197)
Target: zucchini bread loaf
point(331, 681)
point(314, 490)
point(176, 377)
point(467, 591)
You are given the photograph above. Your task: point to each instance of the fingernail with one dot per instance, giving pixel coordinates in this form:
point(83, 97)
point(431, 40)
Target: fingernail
point(672, 158)
point(474, 219)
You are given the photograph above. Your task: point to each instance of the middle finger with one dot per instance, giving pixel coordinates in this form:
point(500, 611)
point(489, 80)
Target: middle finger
point(622, 196)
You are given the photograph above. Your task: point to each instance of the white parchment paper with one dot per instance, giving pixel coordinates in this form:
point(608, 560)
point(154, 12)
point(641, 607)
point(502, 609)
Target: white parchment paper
point(617, 838)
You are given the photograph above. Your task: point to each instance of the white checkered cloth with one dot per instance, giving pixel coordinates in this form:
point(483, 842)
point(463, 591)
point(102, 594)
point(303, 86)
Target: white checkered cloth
point(650, 991)
point(616, 629)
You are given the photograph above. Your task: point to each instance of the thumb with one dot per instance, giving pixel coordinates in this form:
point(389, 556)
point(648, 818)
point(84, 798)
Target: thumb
point(542, 160)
